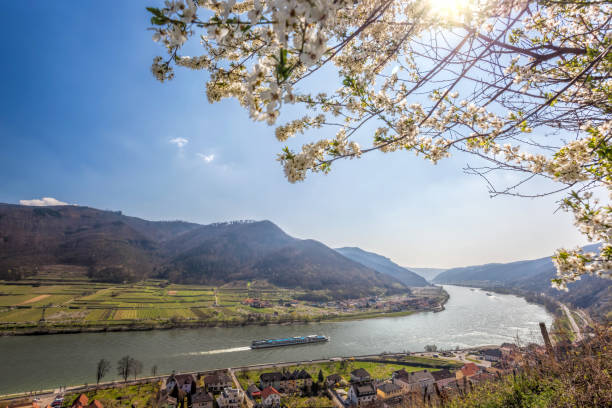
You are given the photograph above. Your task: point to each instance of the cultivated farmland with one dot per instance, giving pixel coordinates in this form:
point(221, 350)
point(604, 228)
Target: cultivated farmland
point(63, 299)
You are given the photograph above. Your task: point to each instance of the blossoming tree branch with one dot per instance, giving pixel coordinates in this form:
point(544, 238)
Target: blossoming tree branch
point(523, 85)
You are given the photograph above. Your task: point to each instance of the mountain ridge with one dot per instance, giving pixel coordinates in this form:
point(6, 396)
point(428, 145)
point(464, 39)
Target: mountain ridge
point(384, 265)
point(533, 277)
point(116, 247)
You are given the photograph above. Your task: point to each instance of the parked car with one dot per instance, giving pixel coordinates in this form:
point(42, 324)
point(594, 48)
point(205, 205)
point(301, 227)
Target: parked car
point(58, 401)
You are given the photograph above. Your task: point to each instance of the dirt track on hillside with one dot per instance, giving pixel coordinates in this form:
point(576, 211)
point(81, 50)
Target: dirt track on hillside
point(34, 299)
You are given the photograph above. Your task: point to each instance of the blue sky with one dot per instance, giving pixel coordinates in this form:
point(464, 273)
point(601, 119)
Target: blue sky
point(83, 120)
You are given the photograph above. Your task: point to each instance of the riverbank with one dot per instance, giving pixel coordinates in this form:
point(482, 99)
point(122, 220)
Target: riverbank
point(394, 361)
point(471, 319)
point(79, 308)
point(33, 331)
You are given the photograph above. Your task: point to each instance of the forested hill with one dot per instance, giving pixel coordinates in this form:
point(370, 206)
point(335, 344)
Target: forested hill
point(533, 276)
point(118, 248)
point(383, 265)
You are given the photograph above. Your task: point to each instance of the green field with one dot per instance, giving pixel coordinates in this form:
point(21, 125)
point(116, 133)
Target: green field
point(62, 298)
point(130, 396)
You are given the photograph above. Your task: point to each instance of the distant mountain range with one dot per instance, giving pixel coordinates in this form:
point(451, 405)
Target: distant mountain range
point(533, 276)
point(118, 248)
point(427, 273)
point(383, 265)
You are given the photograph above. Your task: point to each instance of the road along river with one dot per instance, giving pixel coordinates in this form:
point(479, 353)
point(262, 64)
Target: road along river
point(471, 318)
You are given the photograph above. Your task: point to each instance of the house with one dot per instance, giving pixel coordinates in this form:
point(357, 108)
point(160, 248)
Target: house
point(256, 303)
point(492, 354)
point(467, 370)
point(165, 400)
point(184, 382)
point(289, 381)
point(286, 381)
point(202, 399)
point(270, 397)
point(270, 380)
point(83, 402)
point(362, 393)
point(253, 391)
point(332, 380)
point(415, 381)
point(360, 375)
point(80, 402)
point(302, 379)
point(443, 377)
point(230, 398)
point(387, 391)
point(218, 381)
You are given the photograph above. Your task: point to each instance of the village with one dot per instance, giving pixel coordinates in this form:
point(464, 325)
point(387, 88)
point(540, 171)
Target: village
point(386, 380)
point(387, 304)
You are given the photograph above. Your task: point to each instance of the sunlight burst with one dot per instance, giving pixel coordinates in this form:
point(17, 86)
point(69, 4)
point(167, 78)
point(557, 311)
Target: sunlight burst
point(449, 9)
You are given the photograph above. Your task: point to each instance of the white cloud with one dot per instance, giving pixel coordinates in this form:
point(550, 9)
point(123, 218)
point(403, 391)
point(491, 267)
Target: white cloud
point(179, 141)
point(43, 202)
point(206, 157)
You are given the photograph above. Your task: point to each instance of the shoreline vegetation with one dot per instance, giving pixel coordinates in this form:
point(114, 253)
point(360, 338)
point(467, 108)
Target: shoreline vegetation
point(41, 330)
point(48, 305)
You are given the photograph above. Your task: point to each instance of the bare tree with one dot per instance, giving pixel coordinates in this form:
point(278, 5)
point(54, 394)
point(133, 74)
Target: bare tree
point(102, 369)
point(125, 367)
point(136, 368)
point(154, 370)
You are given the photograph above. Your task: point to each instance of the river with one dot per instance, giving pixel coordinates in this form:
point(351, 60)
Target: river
point(471, 319)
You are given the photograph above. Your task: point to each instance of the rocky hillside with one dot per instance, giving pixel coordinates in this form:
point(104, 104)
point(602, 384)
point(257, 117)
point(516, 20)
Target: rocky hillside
point(118, 248)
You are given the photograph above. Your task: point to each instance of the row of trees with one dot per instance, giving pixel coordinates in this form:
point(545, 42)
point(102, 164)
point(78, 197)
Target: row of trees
point(126, 367)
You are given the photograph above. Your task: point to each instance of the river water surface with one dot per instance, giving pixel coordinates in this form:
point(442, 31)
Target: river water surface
point(471, 319)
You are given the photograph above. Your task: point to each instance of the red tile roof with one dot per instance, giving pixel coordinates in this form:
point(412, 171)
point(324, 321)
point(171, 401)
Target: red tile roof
point(469, 369)
point(95, 404)
point(268, 391)
point(81, 401)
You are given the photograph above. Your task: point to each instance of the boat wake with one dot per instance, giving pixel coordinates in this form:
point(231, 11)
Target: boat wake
point(220, 351)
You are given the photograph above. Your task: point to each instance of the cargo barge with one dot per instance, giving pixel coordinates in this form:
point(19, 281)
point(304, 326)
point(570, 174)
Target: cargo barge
point(290, 341)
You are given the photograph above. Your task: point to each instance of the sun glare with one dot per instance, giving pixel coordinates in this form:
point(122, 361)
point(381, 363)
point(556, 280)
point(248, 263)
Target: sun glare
point(450, 9)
